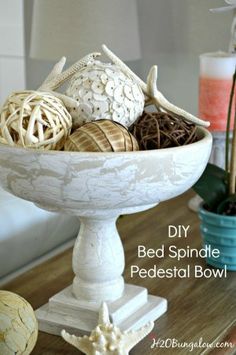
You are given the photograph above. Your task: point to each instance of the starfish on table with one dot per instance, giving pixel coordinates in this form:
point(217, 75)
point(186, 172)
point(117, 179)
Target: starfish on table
point(106, 338)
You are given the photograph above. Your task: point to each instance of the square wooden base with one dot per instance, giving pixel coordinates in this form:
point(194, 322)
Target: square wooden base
point(132, 311)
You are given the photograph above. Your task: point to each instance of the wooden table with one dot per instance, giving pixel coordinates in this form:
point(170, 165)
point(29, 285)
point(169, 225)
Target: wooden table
point(197, 307)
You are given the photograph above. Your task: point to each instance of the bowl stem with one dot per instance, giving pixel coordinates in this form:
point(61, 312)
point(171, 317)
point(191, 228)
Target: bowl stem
point(98, 260)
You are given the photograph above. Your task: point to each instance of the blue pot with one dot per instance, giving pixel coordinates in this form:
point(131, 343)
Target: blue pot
point(219, 232)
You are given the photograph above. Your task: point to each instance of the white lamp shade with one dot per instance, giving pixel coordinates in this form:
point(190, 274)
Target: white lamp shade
point(75, 28)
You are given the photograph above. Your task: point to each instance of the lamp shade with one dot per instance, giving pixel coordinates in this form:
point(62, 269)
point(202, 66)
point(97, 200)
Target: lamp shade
point(76, 27)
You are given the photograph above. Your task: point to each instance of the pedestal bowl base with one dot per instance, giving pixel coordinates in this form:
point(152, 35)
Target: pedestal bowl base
point(132, 311)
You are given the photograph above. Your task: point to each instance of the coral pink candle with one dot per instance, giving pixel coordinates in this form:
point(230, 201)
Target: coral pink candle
point(216, 73)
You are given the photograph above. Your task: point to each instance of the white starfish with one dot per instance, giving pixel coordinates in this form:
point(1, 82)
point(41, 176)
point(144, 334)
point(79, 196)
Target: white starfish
point(154, 96)
point(106, 338)
point(57, 77)
point(231, 3)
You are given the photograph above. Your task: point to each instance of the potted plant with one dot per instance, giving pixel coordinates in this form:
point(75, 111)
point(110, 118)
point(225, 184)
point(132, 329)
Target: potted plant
point(217, 188)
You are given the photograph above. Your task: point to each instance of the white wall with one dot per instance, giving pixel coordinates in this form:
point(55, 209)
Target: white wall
point(173, 34)
point(12, 62)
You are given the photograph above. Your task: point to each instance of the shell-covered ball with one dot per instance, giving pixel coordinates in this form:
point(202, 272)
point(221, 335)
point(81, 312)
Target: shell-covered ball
point(101, 136)
point(104, 91)
point(18, 325)
point(34, 119)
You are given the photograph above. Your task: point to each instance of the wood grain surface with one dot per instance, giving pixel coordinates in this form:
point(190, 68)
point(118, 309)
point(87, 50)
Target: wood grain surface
point(198, 308)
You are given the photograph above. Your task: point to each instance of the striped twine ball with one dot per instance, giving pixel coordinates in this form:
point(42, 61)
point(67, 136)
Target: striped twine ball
point(101, 136)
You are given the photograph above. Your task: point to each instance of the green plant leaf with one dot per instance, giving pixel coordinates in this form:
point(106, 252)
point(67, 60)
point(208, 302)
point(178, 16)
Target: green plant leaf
point(224, 205)
point(212, 186)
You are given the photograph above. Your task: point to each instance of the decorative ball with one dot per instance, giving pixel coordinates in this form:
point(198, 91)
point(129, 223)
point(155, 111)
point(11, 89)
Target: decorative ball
point(104, 91)
point(101, 136)
point(34, 119)
point(18, 325)
point(155, 130)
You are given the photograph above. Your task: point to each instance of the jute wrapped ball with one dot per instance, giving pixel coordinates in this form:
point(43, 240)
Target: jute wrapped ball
point(34, 119)
point(18, 325)
point(101, 136)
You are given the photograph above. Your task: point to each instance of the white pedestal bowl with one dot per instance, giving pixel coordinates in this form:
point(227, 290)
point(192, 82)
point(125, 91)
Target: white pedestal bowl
point(98, 187)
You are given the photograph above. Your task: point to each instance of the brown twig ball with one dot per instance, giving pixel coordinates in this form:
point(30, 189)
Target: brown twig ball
point(101, 136)
point(156, 130)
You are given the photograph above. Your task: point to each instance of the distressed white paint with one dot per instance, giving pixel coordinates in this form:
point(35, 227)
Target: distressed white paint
point(98, 187)
point(130, 312)
point(98, 258)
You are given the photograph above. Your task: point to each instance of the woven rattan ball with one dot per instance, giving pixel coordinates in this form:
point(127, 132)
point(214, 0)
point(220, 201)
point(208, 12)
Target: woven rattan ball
point(18, 325)
point(34, 119)
point(101, 136)
point(155, 130)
